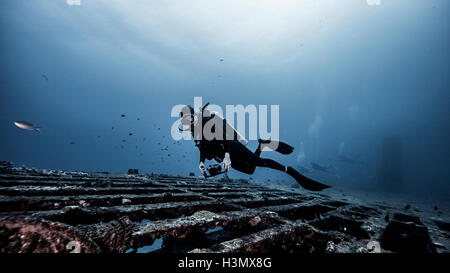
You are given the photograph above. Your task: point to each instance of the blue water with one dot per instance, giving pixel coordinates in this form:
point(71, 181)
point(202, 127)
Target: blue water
point(212, 236)
point(150, 248)
point(345, 74)
point(212, 230)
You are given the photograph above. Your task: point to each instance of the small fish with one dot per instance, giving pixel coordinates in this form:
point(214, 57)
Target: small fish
point(130, 134)
point(138, 119)
point(45, 77)
point(26, 126)
point(221, 59)
point(72, 143)
point(123, 115)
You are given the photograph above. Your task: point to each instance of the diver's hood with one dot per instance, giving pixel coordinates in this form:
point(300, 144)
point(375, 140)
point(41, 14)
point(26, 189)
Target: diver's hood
point(196, 116)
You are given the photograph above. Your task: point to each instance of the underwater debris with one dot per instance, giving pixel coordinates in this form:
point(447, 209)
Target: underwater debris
point(133, 171)
point(108, 212)
point(204, 215)
point(254, 221)
point(46, 236)
point(406, 233)
point(5, 164)
point(126, 201)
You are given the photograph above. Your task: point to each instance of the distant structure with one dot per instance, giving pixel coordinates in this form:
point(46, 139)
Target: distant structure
point(133, 171)
point(390, 173)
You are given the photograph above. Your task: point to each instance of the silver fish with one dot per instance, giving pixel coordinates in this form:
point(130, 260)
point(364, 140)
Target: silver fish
point(26, 126)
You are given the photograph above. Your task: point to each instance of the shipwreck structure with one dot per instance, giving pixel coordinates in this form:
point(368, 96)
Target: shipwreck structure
point(56, 211)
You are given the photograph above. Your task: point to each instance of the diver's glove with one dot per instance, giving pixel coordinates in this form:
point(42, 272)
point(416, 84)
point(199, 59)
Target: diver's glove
point(226, 163)
point(202, 168)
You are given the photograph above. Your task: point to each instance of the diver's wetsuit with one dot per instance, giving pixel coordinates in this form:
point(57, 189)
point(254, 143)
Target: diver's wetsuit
point(244, 160)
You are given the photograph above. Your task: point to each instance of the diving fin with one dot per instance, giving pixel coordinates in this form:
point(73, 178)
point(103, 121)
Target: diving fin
point(306, 182)
point(277, 146)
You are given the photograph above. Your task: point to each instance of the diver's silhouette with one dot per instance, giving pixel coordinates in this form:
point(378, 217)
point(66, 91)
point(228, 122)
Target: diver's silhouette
point(231, 152)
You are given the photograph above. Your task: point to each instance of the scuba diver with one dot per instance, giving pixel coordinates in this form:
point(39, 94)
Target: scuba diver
point(230, 149)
